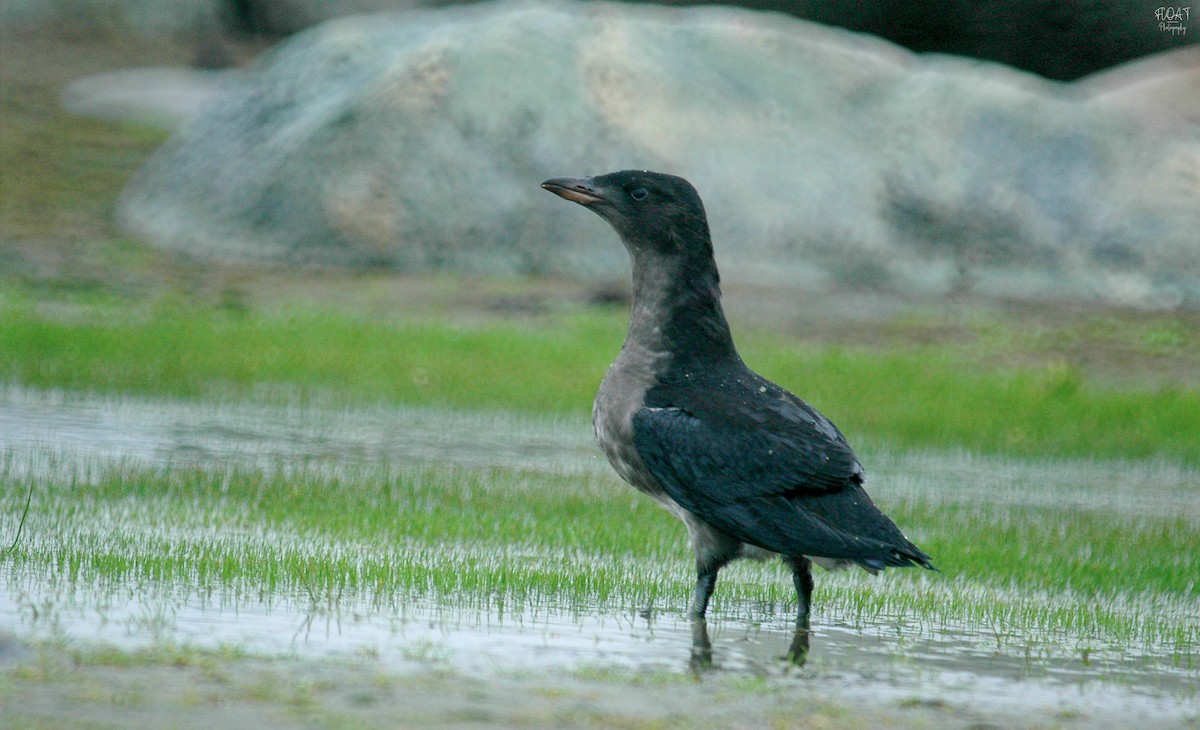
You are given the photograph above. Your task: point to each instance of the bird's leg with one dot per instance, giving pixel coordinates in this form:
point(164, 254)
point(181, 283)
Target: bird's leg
point(701, 658)
point(803, 580)
point(706, 581)
point(713, 550)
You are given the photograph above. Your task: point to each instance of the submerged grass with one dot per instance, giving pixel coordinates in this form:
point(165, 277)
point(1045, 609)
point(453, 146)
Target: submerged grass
point(478, 535)
point(913, 398)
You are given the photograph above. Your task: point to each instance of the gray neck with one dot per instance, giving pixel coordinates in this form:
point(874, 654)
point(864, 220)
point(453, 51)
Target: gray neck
point(677, 308)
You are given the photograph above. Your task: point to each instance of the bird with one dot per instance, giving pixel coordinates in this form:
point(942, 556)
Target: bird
point(751, 469)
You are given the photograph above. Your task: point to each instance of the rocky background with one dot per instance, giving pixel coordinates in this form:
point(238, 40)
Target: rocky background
point(828, 159)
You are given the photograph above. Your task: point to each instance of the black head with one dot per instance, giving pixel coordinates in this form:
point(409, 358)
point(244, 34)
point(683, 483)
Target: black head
point(651, 211)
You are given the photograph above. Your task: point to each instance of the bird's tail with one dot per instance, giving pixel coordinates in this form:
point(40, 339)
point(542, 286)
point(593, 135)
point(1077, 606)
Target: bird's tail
point(909, 556)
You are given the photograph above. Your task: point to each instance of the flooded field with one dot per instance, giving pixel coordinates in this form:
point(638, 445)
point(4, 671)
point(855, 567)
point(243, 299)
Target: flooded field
point(41, 429)
point(154, 523)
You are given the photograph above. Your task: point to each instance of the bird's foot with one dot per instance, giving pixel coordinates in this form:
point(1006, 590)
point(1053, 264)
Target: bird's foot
point(797, 653)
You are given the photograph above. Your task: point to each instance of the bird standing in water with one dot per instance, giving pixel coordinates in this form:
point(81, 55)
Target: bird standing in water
point(750, 468)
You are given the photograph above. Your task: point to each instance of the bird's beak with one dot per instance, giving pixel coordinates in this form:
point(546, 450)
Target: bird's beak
point(576, 189)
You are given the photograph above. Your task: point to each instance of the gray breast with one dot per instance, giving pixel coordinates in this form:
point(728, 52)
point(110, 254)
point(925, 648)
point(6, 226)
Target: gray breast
point(621, 394)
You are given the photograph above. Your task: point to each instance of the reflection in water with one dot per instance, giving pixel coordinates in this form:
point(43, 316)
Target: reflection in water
point(49, 433)
point(414, 633)
point(701, 657)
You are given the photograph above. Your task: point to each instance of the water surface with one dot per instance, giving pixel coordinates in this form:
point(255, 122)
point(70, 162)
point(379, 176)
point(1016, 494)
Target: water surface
point(49, 433)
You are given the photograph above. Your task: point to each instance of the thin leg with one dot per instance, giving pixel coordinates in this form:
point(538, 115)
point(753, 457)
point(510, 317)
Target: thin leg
point(701, 658)
point(803, 580)
point(713, 550)
point(706, 581)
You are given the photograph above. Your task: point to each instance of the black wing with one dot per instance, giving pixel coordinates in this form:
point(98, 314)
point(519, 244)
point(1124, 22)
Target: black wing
point(761, 465)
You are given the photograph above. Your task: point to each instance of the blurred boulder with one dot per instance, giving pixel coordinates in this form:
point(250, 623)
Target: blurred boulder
point(827, 159)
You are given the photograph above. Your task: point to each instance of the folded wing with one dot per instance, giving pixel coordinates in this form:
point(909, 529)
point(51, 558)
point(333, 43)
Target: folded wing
point(772, 472)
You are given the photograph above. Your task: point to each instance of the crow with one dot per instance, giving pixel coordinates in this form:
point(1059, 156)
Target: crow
point(750, 468)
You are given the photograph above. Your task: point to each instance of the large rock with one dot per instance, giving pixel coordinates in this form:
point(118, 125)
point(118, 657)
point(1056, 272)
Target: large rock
point(827, 159)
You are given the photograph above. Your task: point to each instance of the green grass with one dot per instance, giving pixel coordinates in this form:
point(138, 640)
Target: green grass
point(474, 536)
point(919, 397)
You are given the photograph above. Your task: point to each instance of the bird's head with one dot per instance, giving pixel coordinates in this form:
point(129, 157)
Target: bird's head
point(652, 212)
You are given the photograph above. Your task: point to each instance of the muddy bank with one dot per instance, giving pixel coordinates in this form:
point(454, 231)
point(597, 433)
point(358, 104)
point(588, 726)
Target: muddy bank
point(61, 686)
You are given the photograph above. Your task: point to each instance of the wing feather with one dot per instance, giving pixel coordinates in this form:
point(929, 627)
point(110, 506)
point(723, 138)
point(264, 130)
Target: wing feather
point(781, 477)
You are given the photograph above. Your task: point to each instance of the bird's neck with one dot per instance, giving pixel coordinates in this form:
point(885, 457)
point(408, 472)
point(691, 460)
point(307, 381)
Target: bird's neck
point(677, 310)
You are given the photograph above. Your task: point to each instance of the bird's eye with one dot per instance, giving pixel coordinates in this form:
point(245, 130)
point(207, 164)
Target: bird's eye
point(639, 193)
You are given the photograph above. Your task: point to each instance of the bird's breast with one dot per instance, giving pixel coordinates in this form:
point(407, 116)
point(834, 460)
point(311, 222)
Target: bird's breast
point(622, 393)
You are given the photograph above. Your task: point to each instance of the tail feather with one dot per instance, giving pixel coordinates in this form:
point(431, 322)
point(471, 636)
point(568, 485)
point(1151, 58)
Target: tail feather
point(910, 556)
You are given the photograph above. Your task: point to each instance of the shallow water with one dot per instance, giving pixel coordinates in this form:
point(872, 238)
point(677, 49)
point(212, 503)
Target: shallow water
point(40, 429)
point(413, 634)
point(41, 432)
point(48, 433)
